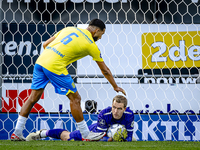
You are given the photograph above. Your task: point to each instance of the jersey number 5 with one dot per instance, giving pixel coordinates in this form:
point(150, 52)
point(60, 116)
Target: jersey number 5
point(68, 38)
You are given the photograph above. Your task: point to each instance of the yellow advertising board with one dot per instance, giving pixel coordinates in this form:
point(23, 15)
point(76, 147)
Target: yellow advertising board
point(171, 50)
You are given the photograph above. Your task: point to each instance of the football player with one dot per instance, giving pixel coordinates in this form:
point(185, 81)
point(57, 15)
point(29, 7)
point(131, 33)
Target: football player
point(119, 113)
point(65, 47)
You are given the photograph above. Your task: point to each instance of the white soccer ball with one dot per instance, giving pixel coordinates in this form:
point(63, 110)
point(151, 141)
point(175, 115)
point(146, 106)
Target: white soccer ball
point(115, 128)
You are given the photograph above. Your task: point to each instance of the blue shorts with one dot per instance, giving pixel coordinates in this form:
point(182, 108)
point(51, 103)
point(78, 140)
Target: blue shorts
point(76, 135)
point(63, 84)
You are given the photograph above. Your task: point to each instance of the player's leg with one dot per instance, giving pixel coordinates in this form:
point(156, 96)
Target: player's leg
point(84, 132)
point(28, 105)
point(69, 136)
point(53, 133)
point(64, 136)
point(64, 85)
point(25, 110)
point(75, 100)
point(77, 113)
point(39, 82)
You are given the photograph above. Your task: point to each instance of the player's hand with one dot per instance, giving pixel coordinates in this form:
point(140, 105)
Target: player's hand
point(110, 139)
point(120, 135)
point(118, 89)
point(117, 137)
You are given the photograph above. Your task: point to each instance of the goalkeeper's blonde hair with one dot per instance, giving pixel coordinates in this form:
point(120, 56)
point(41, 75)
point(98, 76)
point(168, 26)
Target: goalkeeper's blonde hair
point(120, 99)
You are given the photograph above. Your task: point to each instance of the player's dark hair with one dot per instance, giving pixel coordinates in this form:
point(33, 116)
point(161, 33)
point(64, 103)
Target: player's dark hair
point(97, 23)
point(120, 99)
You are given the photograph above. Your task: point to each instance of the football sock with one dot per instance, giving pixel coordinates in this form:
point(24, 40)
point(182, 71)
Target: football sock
point(54, 133)
point(43, 133)
point(20, 125)
point(83, 128)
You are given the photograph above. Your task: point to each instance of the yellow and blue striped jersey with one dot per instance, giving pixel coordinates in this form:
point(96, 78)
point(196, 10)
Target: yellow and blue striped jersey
point(70, 44)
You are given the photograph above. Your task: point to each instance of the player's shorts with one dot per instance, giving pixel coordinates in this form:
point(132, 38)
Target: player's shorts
point(76, 135)
point(63, 84)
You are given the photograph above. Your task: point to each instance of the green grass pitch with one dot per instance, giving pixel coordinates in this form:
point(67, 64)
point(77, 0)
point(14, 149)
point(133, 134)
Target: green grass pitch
point(79, 145)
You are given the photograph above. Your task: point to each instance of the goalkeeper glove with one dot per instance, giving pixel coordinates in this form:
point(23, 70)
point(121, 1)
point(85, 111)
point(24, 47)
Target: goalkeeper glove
point(120, 135)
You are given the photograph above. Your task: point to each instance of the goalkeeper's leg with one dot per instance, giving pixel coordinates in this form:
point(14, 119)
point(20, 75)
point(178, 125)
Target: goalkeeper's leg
point(53, 133)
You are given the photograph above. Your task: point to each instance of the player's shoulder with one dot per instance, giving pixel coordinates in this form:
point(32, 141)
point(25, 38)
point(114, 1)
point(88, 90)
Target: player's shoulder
point(68, 28)
point(65, 30)
point(76, 29)
point(87, 35)
point(128, 111)
point(128, 115)
point(106, 111)
point(85, 32)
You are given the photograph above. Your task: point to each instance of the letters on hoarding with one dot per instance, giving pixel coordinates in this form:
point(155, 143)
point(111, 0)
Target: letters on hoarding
point(146, 127)
point(170, 50)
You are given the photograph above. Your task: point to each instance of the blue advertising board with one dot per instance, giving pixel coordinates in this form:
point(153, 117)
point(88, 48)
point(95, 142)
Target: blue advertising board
point(146, 127)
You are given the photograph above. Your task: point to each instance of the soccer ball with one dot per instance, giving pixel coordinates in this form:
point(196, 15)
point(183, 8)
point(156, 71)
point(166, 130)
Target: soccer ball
point(120, 130)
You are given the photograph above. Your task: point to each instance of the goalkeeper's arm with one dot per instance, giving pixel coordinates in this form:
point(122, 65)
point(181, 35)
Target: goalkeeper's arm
point(129, 137)
point(106, 139)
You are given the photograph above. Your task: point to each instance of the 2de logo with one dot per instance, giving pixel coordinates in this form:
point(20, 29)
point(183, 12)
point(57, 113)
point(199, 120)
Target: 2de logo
point(170, 50)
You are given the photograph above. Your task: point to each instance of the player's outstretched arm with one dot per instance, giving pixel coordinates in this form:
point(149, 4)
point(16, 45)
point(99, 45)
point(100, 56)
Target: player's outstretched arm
point(108, 75)
point(47, 42)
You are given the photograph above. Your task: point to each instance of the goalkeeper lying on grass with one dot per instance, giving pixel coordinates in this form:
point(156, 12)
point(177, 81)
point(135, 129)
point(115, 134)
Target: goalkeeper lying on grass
point(117, 114)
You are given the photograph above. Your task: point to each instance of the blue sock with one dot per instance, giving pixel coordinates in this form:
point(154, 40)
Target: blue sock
point(55, 133)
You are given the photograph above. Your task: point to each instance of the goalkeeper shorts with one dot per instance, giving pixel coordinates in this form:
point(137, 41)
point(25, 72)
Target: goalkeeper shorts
point(63, 84)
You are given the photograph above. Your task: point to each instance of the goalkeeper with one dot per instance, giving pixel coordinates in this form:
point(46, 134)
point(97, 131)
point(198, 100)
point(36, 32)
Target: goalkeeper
point(117, 114)
point(65, 47)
